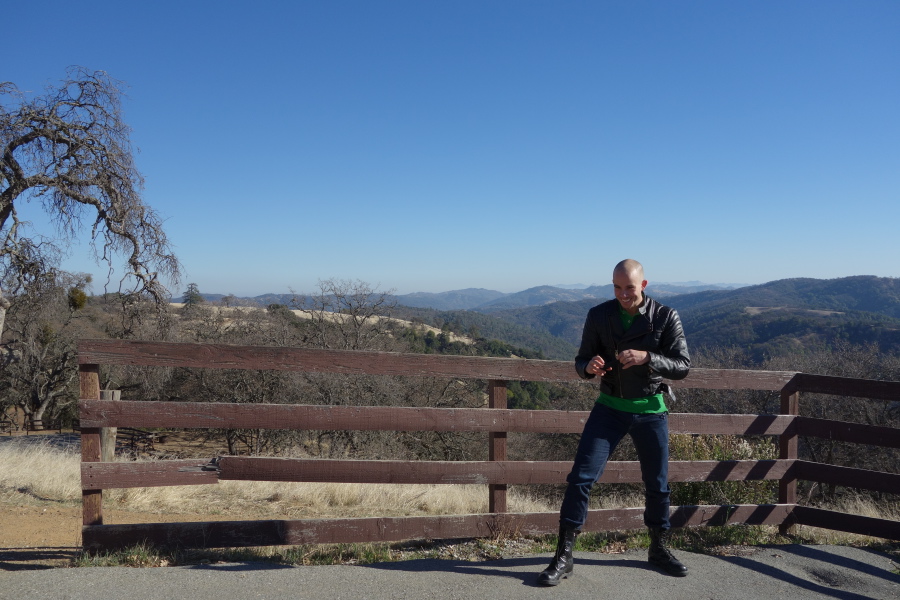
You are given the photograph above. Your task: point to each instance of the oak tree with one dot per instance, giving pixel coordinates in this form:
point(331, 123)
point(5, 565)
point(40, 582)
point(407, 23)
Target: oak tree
point(69, 149)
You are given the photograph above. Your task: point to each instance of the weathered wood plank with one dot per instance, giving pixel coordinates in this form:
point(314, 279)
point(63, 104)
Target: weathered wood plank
point(715, 516)
point(247, 468)
point(147, 474)
point(91, 500)
point(224, 356)
point(788, 447)
point(729, 424)
point(878, 481)
point(202, 415)
point(844, 386)
point(725, 470)
point(843, 431)
point(188, 472)
point(314, 360)
point(497, 492)
point(389, 471)
point(836, 521)
point(734, 379)
point(235, 534)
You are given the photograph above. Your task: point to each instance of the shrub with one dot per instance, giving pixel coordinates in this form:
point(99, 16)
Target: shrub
point(722, 447)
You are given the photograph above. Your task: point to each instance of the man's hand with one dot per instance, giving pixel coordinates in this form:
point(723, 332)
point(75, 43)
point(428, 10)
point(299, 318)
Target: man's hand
point(630, 358)
point(597, 366)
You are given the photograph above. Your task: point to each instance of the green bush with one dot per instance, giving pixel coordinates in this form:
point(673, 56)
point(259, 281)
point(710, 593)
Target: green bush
point(722, 447)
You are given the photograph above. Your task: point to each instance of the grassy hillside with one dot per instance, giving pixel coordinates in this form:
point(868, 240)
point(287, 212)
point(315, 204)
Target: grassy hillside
point(492, 327)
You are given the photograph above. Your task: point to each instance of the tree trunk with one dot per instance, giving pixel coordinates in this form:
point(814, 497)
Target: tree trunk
point(108, 434)
point(4, 304)
point(37, 417)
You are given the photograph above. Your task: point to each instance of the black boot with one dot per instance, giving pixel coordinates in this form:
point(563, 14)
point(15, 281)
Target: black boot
point(562, 562)
point(660, 556)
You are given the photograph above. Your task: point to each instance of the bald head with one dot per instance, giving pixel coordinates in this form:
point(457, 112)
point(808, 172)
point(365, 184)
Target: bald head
point(629, 284)
point(630, 267)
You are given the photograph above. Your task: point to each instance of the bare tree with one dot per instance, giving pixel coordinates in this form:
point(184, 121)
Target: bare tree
point(70, 149)
point(38, 373)
point(348, 315)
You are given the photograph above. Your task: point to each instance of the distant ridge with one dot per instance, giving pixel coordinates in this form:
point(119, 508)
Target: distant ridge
point(454, 300)
point(486, 300)
point(483, 300)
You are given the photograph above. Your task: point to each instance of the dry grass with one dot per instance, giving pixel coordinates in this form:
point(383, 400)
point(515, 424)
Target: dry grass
point(38, 471)
point(35, 472)
point(43, 471)
point(854, 506)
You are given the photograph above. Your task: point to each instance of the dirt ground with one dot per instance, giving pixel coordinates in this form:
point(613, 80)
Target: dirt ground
point(49, 535)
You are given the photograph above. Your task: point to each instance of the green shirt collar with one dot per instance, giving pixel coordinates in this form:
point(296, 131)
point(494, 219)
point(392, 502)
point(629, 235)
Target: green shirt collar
point(627, 319)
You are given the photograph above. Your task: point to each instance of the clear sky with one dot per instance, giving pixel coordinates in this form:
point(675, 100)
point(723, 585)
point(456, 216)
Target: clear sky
point(503, 144)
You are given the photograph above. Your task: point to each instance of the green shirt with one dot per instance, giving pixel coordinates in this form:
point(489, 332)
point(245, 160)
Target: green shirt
point(648, 405)
point(627, 319)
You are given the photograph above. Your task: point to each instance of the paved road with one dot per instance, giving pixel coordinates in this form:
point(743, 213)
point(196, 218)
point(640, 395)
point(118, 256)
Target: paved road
point(786, 572)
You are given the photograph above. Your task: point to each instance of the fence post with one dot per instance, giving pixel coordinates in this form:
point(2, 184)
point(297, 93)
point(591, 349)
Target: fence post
point(91, 500)
point(787, 485)
point(108, 434)
point(497, 446)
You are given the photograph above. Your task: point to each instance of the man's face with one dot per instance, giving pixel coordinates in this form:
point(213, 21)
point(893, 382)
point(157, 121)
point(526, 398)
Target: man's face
point(629, 288)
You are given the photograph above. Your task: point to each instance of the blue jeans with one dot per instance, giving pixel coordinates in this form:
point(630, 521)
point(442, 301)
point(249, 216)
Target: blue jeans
point(603, 431)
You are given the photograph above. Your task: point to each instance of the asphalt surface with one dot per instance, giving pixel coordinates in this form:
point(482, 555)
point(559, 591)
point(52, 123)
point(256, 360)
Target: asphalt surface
point(788, 572)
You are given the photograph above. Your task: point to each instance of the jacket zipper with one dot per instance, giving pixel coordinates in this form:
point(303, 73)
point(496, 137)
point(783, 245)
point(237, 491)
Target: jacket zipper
point(624, 339)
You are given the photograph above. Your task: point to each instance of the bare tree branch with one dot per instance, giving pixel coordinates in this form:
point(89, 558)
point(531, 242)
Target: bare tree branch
point(70, 149)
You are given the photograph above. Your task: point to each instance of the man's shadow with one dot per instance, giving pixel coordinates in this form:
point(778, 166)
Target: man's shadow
point(35, 559)
point(510, 568)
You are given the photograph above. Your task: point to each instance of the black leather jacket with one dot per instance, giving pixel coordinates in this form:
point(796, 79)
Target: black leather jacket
point(656, 329)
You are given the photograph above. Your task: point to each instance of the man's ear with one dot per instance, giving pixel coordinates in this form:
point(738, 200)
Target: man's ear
point(643, 285)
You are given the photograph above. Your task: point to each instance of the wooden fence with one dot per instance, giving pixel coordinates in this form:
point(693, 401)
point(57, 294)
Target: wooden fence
point(496, 473)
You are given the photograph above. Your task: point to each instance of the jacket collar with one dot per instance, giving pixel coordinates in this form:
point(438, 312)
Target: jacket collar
point(643, 311)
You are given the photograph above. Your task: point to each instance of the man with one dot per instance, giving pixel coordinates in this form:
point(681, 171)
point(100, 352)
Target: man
point(631, 343)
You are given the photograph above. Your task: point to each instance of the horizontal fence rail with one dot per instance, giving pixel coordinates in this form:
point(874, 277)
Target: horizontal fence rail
point(842, 431)
point(246, 468)
point(225, 534)
point(348, 362)
point(843, 386)
point(848, 477)
point(207, 415)
point(496, 421)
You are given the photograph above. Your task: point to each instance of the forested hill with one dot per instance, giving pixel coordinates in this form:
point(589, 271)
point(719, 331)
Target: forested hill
point(785, 315)
point(766, 319)
point(478, 325)
point(865, 293)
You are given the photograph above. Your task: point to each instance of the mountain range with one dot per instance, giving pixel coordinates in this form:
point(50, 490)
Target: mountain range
point(488, 300)
point(764, 320)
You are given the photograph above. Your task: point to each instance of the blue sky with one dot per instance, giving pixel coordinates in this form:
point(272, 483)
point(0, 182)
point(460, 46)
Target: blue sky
point(438, 145)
